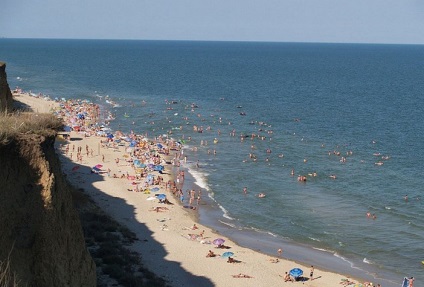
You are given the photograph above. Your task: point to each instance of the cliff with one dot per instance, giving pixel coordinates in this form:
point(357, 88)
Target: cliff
point(5, 93)
point(40, 234)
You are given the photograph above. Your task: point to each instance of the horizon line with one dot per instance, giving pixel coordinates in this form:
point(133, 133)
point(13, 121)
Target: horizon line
point(223, 41)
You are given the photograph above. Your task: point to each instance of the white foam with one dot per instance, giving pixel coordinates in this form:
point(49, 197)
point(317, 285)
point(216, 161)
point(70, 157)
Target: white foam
point(366, 261)
point(314, 239)
point(322, 249)
point(200, 178)
point(228, 224)
point(225, 213)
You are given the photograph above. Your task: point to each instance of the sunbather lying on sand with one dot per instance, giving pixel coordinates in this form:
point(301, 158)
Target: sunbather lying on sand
point(159, 209)
point(240, 275)
point(232, 260)
point(346, 282)
point(211, 254)
point(222, 246)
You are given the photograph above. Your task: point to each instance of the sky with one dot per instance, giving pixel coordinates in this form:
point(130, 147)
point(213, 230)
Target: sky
point(329, 21)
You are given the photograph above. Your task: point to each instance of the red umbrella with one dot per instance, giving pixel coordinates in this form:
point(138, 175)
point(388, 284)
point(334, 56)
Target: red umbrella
point(98, 166)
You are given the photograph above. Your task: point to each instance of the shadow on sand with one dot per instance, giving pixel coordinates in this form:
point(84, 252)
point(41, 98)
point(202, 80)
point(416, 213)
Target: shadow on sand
point(145, 242)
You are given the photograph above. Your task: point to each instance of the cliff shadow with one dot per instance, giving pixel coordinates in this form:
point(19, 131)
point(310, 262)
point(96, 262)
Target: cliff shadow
point(83, 177)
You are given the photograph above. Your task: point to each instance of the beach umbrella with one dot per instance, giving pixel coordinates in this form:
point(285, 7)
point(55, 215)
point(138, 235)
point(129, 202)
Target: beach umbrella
point(109, 136)
point(155, 189)
point(159, 167)
point(98, 166)
point(218, 241)
point(296, 272)
point(227, 254)
point(159, 145)
point(95, 169)
point(160, 196)
point(67, 128)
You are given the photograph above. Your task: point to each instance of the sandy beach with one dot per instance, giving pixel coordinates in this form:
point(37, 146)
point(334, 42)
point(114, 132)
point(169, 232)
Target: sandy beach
point(167, 242)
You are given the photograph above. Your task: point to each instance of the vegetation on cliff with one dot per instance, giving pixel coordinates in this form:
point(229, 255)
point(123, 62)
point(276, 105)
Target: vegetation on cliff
point(14, 124)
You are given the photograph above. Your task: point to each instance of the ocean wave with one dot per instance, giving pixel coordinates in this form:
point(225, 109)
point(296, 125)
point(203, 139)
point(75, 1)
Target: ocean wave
point(366, 261)
point(225, 212)
point(345, 260)
point(200, 178)
point(322, 249)
point(314, 239)
point(229, 224)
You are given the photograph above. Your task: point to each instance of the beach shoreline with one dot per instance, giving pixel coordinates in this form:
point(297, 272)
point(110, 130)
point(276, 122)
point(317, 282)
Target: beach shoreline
point(170, 228)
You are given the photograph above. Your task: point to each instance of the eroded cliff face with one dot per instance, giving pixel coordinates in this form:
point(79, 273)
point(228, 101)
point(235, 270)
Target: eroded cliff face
point(39, 227)
point(5, 93)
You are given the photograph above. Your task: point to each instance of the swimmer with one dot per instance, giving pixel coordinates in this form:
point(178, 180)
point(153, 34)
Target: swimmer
point(261, 195)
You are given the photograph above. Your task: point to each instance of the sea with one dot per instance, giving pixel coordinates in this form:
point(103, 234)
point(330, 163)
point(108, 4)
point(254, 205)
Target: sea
point(347, 118)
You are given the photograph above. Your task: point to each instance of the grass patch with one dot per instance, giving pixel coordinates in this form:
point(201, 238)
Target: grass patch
point(17, 123)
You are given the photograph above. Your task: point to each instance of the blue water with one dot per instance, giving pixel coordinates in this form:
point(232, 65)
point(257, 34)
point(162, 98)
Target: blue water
point(309, 102)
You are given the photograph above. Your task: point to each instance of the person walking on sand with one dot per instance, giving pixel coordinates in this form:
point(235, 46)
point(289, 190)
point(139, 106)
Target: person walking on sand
point(311, 275)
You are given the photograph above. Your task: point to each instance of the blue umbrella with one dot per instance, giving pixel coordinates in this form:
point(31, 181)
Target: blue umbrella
point(161, 196)
point(296, 272)
point(227, 254)
point(155, 189)
point(159, 167)
point(67, 128)
point(159, 145)
point(109, 136)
